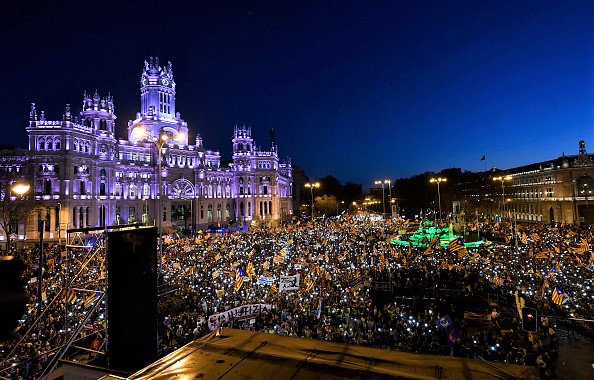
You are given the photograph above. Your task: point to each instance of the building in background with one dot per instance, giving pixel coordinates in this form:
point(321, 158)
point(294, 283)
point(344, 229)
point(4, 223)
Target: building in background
point(555, 191)
point(81, 175)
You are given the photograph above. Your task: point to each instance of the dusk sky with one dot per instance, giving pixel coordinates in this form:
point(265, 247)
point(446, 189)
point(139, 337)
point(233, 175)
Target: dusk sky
point(361, 90)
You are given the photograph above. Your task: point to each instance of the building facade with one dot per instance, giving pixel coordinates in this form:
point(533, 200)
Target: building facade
point(560, 190)
point(81, 175)
point(555, 191)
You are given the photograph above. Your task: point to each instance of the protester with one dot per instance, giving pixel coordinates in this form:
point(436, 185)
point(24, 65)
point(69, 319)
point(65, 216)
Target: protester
point(218, 277)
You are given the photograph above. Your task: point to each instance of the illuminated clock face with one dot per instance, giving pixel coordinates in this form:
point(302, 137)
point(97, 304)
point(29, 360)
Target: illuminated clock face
point(165, 82)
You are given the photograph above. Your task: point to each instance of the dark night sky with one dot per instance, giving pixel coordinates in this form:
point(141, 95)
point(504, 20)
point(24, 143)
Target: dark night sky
point(360, 90)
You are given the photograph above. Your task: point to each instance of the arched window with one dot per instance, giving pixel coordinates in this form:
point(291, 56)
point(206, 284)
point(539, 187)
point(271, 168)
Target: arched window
point(50, 145)
point(102, 188)
point(57, 144)
point(102, 172)
point(41, 144)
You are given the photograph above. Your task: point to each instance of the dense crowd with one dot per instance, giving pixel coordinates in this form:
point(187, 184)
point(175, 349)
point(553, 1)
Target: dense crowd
point(338, 261)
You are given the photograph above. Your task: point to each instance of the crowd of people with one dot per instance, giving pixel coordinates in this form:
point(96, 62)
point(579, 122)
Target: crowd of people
point(338, 261)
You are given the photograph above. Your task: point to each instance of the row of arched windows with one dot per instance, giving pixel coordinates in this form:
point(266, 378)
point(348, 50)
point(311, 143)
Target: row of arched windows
point(49, 143)
point(80, 145)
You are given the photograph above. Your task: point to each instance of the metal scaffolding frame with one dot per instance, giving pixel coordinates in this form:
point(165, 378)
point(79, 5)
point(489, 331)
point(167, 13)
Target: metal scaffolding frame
point(80, 300)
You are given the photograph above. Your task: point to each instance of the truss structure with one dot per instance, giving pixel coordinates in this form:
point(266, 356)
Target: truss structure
point(78, 301)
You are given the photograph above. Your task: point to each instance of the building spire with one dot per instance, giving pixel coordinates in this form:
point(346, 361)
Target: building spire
point(33, 113)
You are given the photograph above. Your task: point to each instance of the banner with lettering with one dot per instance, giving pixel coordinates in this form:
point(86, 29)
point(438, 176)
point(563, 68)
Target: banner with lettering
point(288, 283)
point(237, 314)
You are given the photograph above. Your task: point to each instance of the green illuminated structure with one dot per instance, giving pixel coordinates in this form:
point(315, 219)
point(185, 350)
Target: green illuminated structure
point(427, 232)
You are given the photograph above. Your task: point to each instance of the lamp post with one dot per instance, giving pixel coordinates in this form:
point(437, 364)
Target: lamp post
point(337, 204)
point(438, 181)
point(59, 225)
point(389, 183)
point(383, 204)
point(311, 187)
point(21, 189)
point(502, 179)
point(160, 142)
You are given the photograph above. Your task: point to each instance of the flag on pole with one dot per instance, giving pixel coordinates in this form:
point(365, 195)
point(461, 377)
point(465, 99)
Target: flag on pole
point(557, 296)
point(250, 270)
point(582, 248)
point(462, 253)
point(238, 283)
point(483, 158)
point(433, 245)
point(265, 280)
point(456, 244)
point(91, 298)
point(70, 296)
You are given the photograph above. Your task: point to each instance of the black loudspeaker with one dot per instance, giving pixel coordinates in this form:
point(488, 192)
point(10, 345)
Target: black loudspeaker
point(132, 298)
point(12, 295)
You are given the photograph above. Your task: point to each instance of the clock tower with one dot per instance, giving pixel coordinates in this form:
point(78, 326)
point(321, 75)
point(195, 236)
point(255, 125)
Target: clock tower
point(157, 114)
point(157, 90)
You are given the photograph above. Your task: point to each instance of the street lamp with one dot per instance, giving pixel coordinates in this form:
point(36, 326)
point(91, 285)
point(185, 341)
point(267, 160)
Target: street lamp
point(21, 189)
point(160, 142)
point(438, 181)
point(389, 183)
point(338, 204)
point(502, 179)
point(311, 187)
point(383, 203)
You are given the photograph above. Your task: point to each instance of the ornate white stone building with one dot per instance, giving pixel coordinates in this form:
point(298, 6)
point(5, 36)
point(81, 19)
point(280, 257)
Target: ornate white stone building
point(83, 176)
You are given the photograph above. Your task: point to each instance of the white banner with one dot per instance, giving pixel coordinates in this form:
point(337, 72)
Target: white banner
point(288, 283)
point(237, 314)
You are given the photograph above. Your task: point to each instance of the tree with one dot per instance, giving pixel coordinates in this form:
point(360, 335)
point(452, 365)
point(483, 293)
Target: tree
point(326, 204)
point(12, 207)
point(330, 186)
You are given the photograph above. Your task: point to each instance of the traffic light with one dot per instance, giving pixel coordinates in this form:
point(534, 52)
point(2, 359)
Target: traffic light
point(529, 319)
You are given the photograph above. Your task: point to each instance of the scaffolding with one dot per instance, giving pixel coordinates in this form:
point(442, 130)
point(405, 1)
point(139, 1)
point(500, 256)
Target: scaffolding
point(78, 301)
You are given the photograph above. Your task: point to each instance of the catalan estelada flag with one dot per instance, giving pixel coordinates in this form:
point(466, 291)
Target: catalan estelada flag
point(70, 296)
point(456, 245)
point(557, 296)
